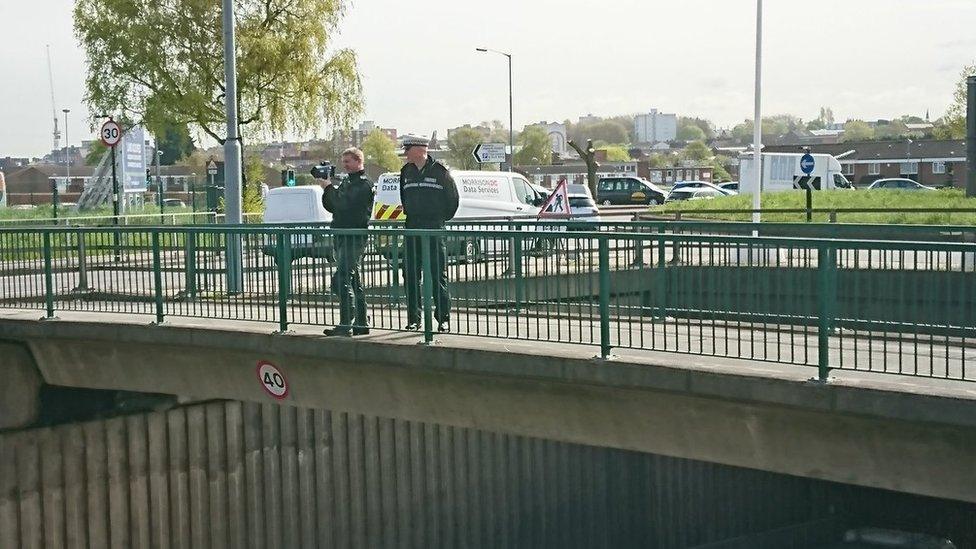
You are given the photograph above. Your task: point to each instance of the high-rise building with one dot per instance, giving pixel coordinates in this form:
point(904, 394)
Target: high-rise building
point(655, 127)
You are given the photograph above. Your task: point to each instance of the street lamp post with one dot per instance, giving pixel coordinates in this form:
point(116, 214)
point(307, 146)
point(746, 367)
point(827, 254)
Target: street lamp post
point(67, 166)
point(159, 185)
point(511, 126)
point(757, 121)
point(232, 153)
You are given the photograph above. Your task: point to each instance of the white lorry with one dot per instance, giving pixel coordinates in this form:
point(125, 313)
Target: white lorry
point(781, 172)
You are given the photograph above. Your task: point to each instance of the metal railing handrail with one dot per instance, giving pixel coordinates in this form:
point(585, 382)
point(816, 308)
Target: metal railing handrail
point(742, 240)
point(172, 252)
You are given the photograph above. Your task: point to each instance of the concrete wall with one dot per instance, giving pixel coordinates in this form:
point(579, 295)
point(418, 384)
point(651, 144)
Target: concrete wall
point(703, 408)
point(230, 474)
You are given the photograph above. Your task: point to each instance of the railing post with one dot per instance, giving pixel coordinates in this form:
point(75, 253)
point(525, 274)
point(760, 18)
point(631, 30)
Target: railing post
point(395, 261)
point(48, 277)
point(190, 264)
point(82, 286)
point(638, 247)
point(662, 276)
point(428, 288)
point(827, 269)
point(284, 279)
point(604, 262)
point(157, 277)
point(516, 267)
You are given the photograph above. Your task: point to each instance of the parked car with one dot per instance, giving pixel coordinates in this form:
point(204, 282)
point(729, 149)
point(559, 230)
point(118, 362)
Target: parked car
point(693, 193)
point(687, 190)
point(628, 191)
point(730, 186)
point(173, 203)
point(581, 203)
point(899, 184)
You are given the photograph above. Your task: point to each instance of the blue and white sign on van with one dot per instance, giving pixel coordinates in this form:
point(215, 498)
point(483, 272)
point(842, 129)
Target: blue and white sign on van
point(807, 163)
point(489, 152)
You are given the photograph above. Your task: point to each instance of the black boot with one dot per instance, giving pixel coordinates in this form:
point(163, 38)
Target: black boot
point(361, 327)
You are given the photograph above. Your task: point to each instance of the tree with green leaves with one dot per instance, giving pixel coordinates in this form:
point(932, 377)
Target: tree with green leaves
point(607, 131)
point(858, 130)
point(695, 129)
point(161, 63)
point(379, 149)
point(175, 143)
point(95, 153)
point(251, 201)
point(534, 147)
point(953, 124)
point(696, 151)
point(691, 132)
point(616, 153)
point(461, 144)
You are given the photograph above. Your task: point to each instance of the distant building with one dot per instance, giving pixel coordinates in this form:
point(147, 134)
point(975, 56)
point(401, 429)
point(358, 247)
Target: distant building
point(931, 162)
point(9, 164)
point(354, 138)
point(655, 127)
point(589, 119)
point(557, 136)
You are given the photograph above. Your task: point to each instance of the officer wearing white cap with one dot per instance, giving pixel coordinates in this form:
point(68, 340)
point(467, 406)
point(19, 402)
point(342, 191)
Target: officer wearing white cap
point(430, 199)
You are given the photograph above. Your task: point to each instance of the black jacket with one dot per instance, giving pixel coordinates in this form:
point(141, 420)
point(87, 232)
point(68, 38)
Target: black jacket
point(351, 203)
point(429, 195)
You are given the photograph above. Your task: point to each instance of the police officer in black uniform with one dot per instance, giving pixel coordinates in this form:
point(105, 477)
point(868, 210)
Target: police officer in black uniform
point(430, 199)
point(351, 205)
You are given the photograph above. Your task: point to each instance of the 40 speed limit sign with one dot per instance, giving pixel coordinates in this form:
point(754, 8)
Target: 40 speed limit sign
point(111, 133)
point(272, 380)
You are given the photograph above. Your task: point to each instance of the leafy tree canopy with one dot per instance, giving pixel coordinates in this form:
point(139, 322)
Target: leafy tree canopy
point(379, 149)
point(161, 62)
point(534, 147)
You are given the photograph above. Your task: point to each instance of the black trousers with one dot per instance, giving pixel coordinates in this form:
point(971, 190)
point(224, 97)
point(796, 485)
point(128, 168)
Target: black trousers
point(352, 300)
point(413, 277)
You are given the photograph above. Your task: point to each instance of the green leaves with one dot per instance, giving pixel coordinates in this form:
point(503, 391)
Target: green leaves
point(161, 63)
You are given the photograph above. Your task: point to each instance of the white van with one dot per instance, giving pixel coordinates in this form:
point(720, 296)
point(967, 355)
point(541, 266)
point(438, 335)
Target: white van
point(781, 172)
point(298, 205)
point(482, 195)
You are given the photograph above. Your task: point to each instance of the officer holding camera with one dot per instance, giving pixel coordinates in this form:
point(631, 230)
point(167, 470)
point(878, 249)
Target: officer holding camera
point(351, 205)
point(430, 199)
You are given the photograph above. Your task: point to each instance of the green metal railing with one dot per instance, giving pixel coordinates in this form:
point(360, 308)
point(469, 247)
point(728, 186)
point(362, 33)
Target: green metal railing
point(889, 306)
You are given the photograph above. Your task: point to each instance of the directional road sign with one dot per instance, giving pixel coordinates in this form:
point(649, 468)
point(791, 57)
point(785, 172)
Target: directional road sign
point(111, 133)
point(489, 152)
point(807, 163)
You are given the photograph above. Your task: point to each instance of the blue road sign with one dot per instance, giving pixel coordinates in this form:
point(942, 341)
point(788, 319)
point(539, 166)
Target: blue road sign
point(807, 163)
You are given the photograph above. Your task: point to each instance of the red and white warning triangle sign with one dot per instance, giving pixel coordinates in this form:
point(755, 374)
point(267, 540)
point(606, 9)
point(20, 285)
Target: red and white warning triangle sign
point(557, 205)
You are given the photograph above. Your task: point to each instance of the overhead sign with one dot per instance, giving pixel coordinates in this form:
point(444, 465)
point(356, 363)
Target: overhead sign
point(272, 380)
point(807, 163)
point(489, 152)
point(557, 205)
point(111, 133)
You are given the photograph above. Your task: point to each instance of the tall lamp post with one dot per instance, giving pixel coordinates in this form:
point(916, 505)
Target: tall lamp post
point(232, 153)
point(511, 130)
point(67, 166)
point(757, 121)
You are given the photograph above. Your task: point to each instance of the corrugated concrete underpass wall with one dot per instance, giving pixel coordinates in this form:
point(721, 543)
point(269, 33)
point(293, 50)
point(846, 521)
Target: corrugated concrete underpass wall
point(229, 474)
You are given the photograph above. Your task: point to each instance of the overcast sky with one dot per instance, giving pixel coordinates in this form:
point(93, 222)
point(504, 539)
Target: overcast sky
point(865, 58)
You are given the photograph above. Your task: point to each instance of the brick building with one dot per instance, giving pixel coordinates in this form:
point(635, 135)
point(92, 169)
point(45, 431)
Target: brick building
point(932, 162)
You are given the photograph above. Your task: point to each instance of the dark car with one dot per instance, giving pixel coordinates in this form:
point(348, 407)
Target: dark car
point(628, 191)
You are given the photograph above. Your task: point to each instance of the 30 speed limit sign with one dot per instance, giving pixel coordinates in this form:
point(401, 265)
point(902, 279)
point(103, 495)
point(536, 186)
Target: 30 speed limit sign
point(111, 133)
point(272, 380)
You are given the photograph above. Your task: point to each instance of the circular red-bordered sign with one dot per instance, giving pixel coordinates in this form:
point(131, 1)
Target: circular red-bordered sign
point(272, 380)
point(111, 133)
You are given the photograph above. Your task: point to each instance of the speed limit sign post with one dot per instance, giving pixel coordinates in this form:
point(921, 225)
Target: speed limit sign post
point(111, 134)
